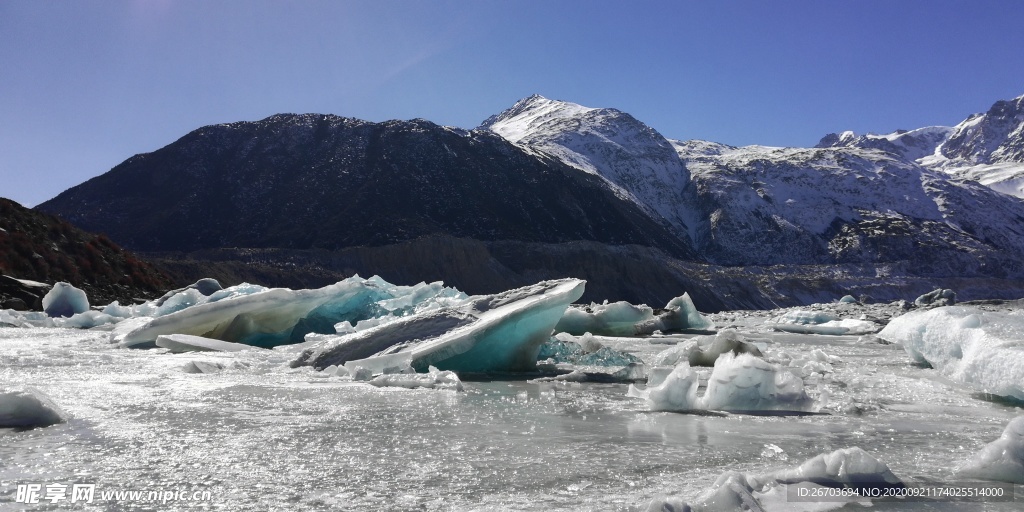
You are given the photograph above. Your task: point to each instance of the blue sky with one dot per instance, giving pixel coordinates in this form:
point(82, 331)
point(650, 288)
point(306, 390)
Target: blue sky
point(86, 84)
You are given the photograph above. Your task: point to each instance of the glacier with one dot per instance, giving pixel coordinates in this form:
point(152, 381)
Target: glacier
point(982, 349)
point(489, 333)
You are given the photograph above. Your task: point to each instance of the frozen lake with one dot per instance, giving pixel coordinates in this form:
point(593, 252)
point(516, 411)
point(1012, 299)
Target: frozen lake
point(260, 435)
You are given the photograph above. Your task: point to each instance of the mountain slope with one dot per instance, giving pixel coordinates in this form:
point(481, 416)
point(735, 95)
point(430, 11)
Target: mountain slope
point(849, 205)
point(637, 162)
point(40, 247)
point(316, 181)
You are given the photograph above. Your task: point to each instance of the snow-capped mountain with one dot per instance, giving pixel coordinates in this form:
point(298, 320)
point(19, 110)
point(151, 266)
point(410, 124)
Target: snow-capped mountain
point(847, 205)
point(864, 201)
point(986, 147)
point(552, 189)
point(637, 162)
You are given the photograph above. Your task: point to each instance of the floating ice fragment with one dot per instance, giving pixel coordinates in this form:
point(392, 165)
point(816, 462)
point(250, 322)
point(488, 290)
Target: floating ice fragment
point(704, 350)
point(1001, 460)
point(615, 319)
point(65, 300)
point(739, 383)
point(850, 468)
point(983, 349)
point(935, 298)
point(625, 319)
point(433, 379)
point(817, 322)
point(202, 367)
point(28, 408)
point(848, 299)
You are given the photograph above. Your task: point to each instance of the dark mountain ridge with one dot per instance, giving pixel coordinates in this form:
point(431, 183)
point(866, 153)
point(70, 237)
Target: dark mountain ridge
point(326, 182)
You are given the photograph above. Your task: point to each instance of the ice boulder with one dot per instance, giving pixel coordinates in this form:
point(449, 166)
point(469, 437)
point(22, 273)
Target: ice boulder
point(738, 383)
point(936, 298)
point(28, 408)
point(704, 350)
point(1001, 460)
point(848, 299)
point(65, 300)
point(625, 319)
point(489, 333)
point(983, 349)
point(850, 468)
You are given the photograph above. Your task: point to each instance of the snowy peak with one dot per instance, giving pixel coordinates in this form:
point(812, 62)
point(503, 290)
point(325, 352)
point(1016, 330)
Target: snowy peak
point(908, 145)
point(992, 137)
point(531, 115)
point(636, 161)
point(987, 147)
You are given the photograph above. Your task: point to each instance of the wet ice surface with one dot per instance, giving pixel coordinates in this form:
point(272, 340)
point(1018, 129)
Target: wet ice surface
point(259, 435)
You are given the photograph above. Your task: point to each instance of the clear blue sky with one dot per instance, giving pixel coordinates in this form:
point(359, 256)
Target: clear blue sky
point(86, 84)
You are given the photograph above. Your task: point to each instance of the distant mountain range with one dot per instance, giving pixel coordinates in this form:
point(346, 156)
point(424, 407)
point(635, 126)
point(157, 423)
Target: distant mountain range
point(550, 188)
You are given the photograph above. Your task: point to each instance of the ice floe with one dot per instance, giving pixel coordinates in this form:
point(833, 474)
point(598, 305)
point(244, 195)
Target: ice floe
point(850, 468)
point(489, 333)
point(1001, 460)
point(984, 349)
point(818, 322)
point(28, 408)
